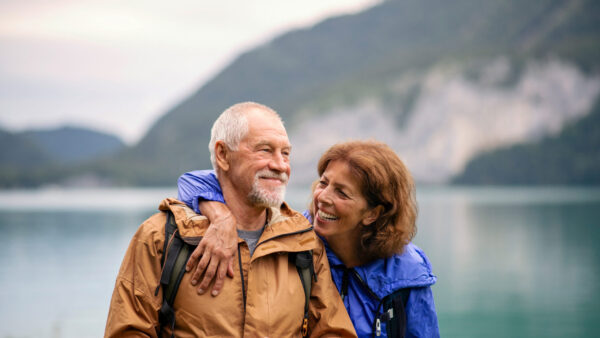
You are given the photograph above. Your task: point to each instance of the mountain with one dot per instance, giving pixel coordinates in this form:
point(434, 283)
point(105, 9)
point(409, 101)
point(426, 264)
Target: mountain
point(19, 152)
point(439, 81)
point(34, 157)
point(572, 157)
point(71, 145)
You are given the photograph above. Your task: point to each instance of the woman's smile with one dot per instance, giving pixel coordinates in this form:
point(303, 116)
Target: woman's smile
point(322, 215)
point(340, 208)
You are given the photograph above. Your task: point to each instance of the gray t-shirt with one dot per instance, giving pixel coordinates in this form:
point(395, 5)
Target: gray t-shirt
point(251, 237)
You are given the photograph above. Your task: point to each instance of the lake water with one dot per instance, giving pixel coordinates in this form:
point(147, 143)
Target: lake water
point(511, 262)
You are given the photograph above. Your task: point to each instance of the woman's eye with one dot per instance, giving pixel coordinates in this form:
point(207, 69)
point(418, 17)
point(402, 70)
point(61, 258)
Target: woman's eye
point(343, 194)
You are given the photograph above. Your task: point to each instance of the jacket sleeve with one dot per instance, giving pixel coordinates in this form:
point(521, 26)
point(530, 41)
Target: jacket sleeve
point(134, 306)
point(421, 318)
point(199, 185)
point(327, 315)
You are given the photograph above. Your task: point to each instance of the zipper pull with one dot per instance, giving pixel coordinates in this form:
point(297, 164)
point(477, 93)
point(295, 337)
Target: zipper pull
point(345, 280)
point(378, 327)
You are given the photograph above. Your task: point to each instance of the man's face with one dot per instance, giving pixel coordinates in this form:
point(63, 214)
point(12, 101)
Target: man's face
point(260, 168)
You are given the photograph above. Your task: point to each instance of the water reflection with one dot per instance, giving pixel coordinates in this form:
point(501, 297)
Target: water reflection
point(523, 266)
point(514, 262)
point(57, 270)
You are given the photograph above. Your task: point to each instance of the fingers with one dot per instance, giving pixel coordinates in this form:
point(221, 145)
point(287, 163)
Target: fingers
point(208, 275)
point(212, 260)
point(202, 264)
point(215, 266)
point(220, 278)
point(194, 257)
point(230, 268)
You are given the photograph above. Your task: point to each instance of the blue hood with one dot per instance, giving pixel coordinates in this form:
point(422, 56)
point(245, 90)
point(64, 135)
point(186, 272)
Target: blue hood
point(384, 276)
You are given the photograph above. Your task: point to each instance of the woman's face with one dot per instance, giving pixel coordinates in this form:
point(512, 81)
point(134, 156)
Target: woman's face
point(339, 206)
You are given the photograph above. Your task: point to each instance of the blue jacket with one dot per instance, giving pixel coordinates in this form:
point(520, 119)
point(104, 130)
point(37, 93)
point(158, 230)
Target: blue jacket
point(411, 269)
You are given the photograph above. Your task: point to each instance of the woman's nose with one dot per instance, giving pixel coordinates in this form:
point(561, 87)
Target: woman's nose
point(324, 197)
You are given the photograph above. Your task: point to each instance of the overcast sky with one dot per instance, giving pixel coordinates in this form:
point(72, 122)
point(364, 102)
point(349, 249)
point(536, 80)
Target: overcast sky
point(117, 65)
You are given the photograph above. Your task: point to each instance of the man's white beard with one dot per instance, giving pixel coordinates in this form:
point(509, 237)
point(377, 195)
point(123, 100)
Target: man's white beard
point(268, 197)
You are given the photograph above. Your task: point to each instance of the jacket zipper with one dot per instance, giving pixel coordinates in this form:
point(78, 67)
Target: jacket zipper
point(240, 257)
point(242, 276)
point(345, 281)
point(377, 322)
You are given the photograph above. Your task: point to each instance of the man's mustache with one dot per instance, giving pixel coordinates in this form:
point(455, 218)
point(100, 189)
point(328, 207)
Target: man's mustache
point(266, 173)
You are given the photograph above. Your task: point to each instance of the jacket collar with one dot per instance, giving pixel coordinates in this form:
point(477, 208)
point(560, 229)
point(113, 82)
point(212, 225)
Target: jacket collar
point(409, 269)
point(286, 229)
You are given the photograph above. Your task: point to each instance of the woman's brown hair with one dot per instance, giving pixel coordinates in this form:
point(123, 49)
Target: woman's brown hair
point(384, 181)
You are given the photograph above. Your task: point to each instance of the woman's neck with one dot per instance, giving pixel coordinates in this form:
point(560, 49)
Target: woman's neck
point(346, 249)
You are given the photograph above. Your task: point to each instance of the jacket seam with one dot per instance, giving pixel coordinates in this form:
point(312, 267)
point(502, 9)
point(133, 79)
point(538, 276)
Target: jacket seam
point(132, 284)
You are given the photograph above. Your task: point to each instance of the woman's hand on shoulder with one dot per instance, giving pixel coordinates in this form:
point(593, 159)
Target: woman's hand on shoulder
point(215, 253)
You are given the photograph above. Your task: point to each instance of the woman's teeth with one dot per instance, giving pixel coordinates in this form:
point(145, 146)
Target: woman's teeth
point(325, 216)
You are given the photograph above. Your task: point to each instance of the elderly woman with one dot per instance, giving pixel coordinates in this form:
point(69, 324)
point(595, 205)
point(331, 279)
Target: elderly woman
point(364, 209)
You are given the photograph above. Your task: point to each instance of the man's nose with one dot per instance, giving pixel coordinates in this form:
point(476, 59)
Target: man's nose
point(279, 163)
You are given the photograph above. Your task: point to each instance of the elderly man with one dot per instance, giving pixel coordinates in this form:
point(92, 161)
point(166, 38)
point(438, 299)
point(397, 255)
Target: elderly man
point(265, 296)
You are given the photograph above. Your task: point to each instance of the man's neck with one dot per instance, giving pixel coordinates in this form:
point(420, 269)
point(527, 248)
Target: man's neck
point(248, 217)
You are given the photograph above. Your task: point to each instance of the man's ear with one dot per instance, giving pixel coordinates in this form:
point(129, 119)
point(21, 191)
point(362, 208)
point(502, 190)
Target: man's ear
point(222, 155)
point(372, 215)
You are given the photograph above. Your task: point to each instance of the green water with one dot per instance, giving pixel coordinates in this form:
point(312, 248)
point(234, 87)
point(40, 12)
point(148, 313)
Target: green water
point(511, 262)
point(514, 262)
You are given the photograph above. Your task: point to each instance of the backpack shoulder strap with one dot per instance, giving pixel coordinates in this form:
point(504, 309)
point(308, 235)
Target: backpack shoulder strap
point(393, 307)
point(304, 264)
point(395, 313)
point(175, 254)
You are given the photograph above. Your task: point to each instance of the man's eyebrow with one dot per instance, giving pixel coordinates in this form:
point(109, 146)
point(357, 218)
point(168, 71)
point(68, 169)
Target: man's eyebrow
point(270, 144)
point(262, 143)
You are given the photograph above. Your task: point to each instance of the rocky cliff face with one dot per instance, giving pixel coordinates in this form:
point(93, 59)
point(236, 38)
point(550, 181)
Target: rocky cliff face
point(439, 81)
point(458, 112)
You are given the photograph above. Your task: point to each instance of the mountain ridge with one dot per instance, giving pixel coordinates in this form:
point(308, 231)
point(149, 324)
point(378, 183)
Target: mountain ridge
point(384, 57)
point(345, 57)
point(33, 157)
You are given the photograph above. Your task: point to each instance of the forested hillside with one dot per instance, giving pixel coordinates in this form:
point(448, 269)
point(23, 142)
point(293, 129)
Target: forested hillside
point(437, 80)
point(35, 157)
point(70, 145)
point(344, 59)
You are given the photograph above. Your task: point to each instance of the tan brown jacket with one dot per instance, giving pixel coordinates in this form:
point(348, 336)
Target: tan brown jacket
point(274, 293)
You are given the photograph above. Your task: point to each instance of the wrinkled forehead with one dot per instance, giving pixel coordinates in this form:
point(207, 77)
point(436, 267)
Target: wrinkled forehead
point(265, 123)
point(258, 115)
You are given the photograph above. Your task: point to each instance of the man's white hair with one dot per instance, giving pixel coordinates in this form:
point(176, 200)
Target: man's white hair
point(232, 126)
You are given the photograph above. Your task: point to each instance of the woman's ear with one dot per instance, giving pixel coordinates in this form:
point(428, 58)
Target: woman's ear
point(222, 155)
point(372, 215)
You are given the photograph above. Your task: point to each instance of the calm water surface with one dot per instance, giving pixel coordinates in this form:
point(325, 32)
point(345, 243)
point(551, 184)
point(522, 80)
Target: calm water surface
point(511, 262)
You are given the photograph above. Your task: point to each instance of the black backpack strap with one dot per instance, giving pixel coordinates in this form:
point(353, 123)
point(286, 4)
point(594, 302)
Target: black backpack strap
point(392, 304)
point(304, 263)
point(175, 254)
point(395, 313)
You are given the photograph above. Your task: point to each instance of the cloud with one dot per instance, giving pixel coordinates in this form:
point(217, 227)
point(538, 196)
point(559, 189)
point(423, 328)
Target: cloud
point(119, 65)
